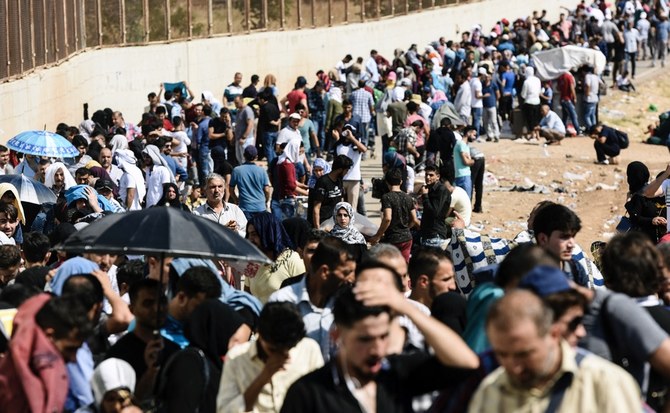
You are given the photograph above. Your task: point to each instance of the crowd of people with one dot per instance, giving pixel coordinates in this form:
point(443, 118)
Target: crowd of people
point(346, 316)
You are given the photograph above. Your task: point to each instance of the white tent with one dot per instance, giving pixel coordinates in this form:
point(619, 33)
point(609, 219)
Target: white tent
point(552, 63)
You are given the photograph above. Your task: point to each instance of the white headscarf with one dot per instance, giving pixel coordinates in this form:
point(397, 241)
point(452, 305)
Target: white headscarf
point(335, 93)
point(155, 154)
point(126, 161)
point(529, 71)
point(291, 152)
point(119, 142)
point(112, 374)
point(50, 174)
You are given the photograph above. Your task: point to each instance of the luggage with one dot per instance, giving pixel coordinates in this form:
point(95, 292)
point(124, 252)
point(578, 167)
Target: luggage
point(518, 123)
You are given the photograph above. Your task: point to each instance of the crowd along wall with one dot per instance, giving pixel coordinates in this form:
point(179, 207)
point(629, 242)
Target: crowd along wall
point(121, 77)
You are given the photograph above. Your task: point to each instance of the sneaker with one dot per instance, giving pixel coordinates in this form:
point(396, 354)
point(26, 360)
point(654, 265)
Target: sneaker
point(605, 162)
point(496, 139)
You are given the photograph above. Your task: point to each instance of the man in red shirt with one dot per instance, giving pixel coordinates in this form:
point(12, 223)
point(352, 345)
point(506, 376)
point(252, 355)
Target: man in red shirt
point(297, 95)
point(566, 87)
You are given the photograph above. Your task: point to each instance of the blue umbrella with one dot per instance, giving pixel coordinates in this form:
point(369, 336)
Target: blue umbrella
point(42, 143)
point(30, 190)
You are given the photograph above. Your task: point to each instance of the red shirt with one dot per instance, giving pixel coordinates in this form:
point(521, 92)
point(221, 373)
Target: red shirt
point(565, 83)
point(294, 97)
point(286, 181)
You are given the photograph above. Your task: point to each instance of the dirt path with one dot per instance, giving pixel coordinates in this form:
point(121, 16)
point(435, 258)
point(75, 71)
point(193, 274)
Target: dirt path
point(596, 192)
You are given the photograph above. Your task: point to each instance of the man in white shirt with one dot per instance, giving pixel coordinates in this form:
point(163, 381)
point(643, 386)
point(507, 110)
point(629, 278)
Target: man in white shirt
point(591, 86)
point(216, 209)
point(463, 100)
point(157, 173)
point(551, 126)
point(289, 133)
point(477, 102)
point(258, 373)
point(530, 92)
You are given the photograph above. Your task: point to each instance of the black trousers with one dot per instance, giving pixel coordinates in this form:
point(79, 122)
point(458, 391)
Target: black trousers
point(477, 175)
point(603, 150)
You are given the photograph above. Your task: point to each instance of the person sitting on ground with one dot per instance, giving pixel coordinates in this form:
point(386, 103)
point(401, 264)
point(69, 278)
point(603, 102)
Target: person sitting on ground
point(285, 355)
point(551, 126)
point(624, 84)
point(344, 218)
point(606, 144)
point(269, 235)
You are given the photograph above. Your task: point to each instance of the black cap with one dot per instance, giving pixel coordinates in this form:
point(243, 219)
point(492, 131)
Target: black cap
point(102, 183)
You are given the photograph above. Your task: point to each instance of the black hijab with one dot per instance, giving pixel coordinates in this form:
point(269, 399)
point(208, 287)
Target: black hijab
point(637, 175)
point(210, 328)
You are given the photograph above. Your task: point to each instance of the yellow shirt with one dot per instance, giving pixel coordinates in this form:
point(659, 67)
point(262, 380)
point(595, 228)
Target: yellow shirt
point(244, 365)
point(266, 281)
point(598, 386)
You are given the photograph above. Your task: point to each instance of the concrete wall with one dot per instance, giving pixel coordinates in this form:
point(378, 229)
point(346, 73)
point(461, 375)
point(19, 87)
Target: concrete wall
point(120, 78)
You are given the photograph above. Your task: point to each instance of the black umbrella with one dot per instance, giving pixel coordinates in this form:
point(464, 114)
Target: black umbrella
point(162, 231)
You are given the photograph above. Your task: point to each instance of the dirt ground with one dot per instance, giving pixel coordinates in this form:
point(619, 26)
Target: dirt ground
point(595, 192)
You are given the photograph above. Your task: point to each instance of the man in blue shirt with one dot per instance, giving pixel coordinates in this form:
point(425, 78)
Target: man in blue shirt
point(252, 184)
point(507, 79)
point(205, 162)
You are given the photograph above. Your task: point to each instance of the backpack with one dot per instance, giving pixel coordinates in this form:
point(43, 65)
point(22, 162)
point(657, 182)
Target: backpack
point(622, 138)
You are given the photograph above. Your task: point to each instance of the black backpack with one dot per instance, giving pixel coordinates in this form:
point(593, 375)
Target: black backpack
point(622, 138)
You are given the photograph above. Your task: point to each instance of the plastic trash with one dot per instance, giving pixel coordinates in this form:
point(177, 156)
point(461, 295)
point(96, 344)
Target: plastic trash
point(576, 177)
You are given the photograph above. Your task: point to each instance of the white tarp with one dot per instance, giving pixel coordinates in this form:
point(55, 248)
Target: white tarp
point(550, 64)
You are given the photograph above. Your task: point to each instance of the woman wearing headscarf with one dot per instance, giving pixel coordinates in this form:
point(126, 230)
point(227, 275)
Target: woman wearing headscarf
point(647, 215)
point(170, 197)
point(132, 187)
point(10, 195)
point(268, 234)
point(344, 229)
point(190, 379)
point(319, 169)
point(58, 178)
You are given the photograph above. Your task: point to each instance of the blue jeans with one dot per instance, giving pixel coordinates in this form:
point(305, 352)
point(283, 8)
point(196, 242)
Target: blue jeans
point(569, 111)
point(364, 133)
point(269, 141)
point(283, 209)
point(477, 119)
point(465, 182)
point(319, 119)
point(205, 163)
point(590, 114)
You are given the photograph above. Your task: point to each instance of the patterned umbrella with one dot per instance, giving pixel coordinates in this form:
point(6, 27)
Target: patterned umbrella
point(30, 190)
point(42, 143)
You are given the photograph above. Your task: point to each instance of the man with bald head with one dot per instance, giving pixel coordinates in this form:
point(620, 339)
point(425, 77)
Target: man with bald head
point(541, 372)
